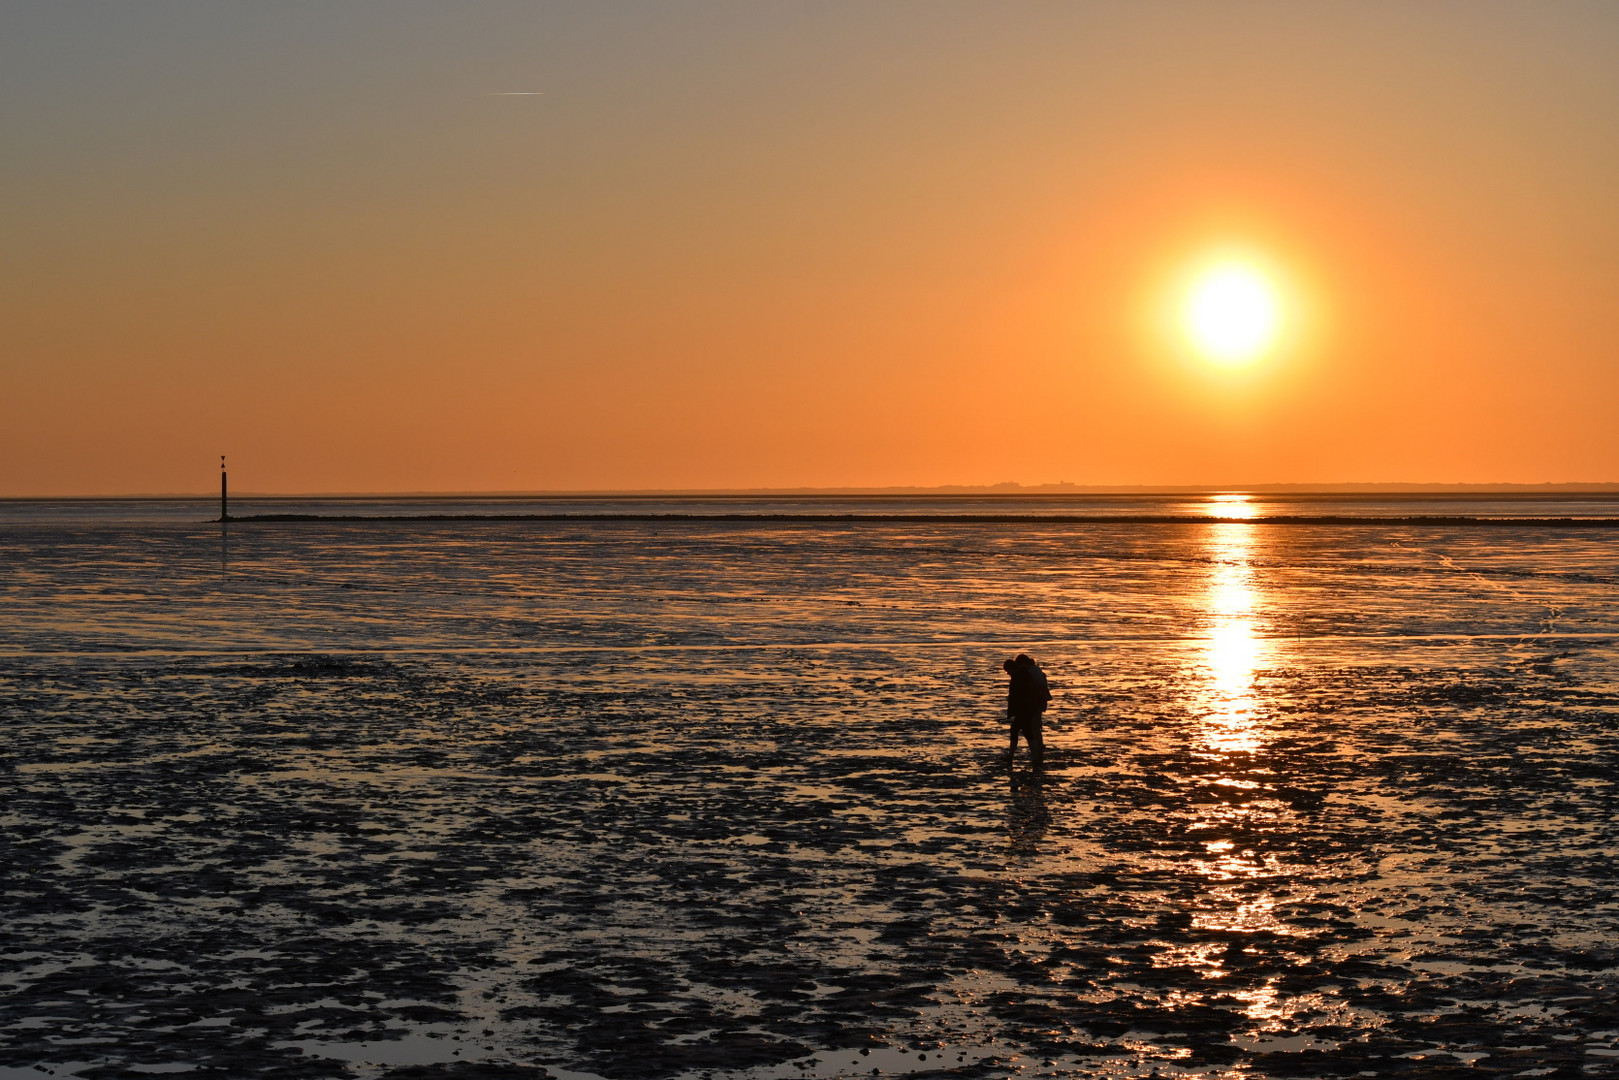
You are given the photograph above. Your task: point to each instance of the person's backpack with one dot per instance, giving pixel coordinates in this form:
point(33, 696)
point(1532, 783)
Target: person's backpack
point(1029, 685)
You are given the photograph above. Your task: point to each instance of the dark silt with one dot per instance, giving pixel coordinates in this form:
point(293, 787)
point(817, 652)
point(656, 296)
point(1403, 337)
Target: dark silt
point(664, 798)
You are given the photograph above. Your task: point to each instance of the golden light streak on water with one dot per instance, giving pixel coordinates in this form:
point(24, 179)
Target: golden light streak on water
point(1233, 506)
point(1237, 905)
point(1232, 649)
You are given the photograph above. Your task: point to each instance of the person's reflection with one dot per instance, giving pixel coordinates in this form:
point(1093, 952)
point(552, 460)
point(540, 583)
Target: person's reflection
point(1027, 818)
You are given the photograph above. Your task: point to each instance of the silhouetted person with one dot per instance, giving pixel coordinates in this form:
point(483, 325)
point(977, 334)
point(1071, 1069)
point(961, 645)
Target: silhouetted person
point(1026, 698)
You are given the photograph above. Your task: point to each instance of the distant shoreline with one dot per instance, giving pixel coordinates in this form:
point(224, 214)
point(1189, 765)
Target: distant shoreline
point(1031, 493)
point(962, 519)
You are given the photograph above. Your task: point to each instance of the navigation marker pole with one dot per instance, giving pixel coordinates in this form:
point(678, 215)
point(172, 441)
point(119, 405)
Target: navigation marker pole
point(224, 505)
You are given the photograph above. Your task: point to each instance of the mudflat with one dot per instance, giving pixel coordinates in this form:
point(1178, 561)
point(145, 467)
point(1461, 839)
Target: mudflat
point(656, 799)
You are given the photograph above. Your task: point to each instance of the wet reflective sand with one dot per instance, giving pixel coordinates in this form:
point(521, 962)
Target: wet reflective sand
point(646, 800)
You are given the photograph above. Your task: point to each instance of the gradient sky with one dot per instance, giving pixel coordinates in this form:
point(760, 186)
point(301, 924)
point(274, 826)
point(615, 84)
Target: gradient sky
point(516, 246)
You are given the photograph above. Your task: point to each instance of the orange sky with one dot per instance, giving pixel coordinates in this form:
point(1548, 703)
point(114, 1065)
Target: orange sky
point(779, 245)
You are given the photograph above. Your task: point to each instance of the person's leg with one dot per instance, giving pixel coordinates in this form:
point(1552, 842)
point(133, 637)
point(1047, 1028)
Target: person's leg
point(1037, 740)
point(1012, 750)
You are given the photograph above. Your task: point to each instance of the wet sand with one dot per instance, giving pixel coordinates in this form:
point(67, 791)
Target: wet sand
point(1330, 817)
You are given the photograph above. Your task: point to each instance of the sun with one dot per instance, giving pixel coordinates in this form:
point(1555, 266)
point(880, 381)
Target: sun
point(1232, 313)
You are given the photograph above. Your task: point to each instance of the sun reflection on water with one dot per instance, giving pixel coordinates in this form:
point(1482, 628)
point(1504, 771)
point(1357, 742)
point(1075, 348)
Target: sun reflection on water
point(1232, 650)
point(1233, 506)
point(1238, 909)
point(1235, 839)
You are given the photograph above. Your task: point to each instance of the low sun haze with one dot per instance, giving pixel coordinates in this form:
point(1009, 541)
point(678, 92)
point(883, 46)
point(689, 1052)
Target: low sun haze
point(514, 246)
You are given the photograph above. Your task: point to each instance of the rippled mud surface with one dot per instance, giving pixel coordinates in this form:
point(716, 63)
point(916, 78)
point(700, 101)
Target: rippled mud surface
point(662, 800)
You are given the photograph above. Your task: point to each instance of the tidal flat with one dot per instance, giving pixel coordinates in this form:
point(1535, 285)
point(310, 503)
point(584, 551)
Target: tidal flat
point(712, 799)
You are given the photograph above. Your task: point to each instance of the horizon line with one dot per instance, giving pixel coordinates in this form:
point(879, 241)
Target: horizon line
point(1005, 488)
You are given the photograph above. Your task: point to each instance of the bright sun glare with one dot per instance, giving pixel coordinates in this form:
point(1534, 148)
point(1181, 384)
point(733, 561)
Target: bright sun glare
point(1233, 313)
